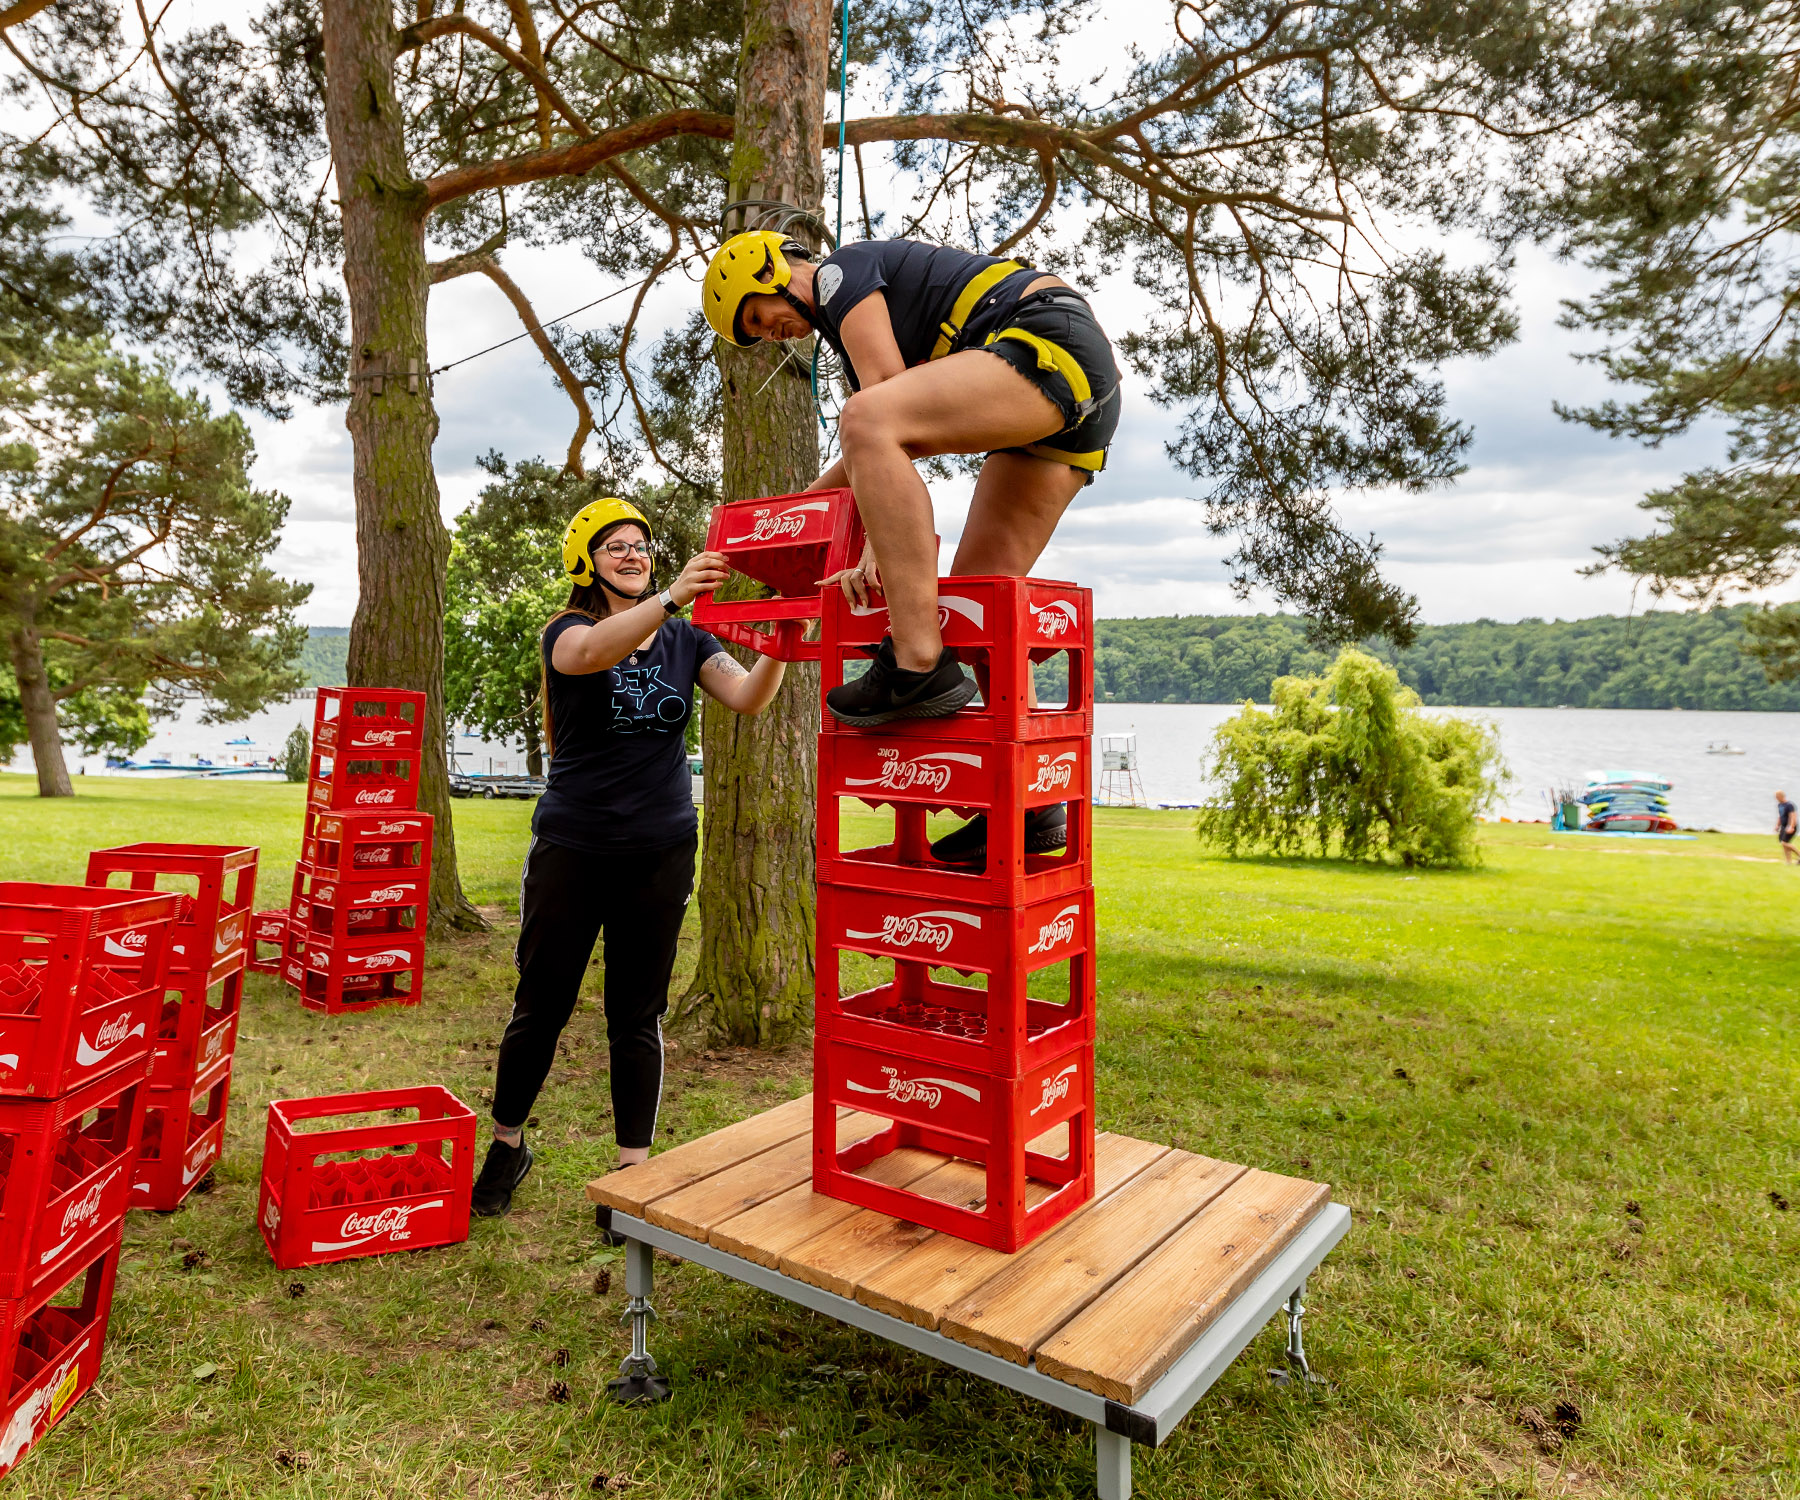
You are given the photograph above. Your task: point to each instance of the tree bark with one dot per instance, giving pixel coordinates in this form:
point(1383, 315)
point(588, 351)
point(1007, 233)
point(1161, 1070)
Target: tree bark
point(755, 973)
point(534, 740)
point(403, 548)
point(39, 706)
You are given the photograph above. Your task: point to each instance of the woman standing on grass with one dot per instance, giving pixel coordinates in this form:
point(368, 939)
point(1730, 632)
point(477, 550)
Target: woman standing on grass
point(614, 835)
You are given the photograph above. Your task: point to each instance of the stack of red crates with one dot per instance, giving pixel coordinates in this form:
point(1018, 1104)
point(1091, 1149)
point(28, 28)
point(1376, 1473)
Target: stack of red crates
point(196, 1032)
point(979, 1071)
point(356, 923)
point(81, 988)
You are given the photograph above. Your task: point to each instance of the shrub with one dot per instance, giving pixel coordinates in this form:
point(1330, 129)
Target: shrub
point(1347, 765)
point(296, 755)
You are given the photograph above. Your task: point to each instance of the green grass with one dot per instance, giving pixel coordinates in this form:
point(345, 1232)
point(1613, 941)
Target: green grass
point(1488, 1065)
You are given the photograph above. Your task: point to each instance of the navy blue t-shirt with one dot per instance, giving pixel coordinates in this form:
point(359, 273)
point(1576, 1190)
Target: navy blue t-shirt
point(619, 774)
point(1783, 811)
point(920, 282)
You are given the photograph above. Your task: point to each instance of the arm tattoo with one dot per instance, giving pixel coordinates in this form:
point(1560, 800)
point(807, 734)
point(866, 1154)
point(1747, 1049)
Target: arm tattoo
point(726, 665)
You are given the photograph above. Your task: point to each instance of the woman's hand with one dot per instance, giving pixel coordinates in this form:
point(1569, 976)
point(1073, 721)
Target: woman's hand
point(858, 581)
point(704, 572)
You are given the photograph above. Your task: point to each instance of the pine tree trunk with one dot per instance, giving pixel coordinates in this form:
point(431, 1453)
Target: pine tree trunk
point(534, 740)
point(755, 972)
point(39, 706)
point(397, 635)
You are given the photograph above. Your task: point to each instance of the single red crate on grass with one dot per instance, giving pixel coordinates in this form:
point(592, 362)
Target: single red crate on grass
point(365, 1189)
point(213, 931)
point(997, 1028)
point(364, 779)
point(1000, 628)
point(199, 1026)
point(789, 543)
point(335, 975)
point(50, 1347)
point(266, 927)
point(1024, 1183)
point(376, 719)
point(65, 1177)
point(335, 906)
point(366, 843)
point(82, 973)
point(184, 1136)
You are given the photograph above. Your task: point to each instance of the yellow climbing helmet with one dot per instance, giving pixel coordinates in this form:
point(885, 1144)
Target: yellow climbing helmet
point(734, 274)
point(589, 522)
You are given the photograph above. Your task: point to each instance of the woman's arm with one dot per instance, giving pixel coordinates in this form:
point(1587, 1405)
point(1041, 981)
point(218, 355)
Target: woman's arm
point(745, 692)
point(582, 649)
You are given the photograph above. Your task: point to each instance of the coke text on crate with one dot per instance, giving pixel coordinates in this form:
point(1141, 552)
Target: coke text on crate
point(212, 932)
point(365, 1189)
point(375, 719)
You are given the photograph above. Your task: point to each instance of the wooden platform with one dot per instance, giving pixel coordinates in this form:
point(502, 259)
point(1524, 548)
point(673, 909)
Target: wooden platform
point(1107, 1301)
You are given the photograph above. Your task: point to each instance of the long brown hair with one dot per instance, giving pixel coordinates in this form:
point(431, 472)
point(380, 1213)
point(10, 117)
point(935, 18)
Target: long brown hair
point(592, 603)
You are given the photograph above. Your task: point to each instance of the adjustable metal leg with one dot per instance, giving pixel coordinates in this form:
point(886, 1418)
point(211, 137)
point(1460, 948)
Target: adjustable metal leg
point(638, 1384)
point(1298, 1368)
point(1112, 1459)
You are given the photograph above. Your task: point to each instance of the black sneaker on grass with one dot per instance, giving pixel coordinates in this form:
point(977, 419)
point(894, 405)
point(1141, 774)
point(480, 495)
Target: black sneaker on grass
point(504, 1170)
point(887, 691)
point(1046, 831)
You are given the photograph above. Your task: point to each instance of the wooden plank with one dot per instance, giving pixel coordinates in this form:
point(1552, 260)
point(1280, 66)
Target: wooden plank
point(712, 1200)
point(1054, 1278)
point(1120, 1345)
point(630, 1189)
point(768, 1231)
point(839, 1258)
point(921, 1284)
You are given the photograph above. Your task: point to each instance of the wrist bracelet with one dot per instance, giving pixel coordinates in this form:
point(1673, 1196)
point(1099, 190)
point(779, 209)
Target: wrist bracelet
point(670, 607)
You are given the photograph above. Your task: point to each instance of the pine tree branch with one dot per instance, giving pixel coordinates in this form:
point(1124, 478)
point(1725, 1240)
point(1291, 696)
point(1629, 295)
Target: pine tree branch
point(22, 11)
point(419, 33)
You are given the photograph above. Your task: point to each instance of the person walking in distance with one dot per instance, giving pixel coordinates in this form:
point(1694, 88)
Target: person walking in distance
point(1787, 822)
point(615, 834)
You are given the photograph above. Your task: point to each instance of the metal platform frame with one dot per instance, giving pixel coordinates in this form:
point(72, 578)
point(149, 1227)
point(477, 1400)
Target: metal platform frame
point(1116, 1426)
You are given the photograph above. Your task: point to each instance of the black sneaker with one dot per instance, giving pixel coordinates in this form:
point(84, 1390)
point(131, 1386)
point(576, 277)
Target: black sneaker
point(887, 691)
point(504, 1170)
point(1046, 831)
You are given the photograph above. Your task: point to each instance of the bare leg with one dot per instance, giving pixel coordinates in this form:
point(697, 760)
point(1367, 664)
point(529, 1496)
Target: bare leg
point(966, 403)
point(1017, 504)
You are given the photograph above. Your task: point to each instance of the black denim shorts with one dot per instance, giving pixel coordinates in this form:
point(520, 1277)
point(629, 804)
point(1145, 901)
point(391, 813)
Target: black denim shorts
point(1052, 339)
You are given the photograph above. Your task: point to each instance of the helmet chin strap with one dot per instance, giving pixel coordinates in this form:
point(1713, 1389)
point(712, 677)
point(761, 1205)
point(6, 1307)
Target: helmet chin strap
point(637, 598)
point(798, 306)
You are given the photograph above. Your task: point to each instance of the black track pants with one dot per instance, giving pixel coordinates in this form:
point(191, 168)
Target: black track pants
point(566, 900)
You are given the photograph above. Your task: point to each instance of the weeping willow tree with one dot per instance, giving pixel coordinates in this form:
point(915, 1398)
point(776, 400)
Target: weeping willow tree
point(1280, 180)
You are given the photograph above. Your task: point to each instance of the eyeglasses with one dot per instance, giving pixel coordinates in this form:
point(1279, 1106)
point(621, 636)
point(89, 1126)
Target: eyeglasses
point(618, 551)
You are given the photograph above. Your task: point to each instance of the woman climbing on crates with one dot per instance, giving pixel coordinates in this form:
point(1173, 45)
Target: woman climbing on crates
point(614, 835)
point(947, 352)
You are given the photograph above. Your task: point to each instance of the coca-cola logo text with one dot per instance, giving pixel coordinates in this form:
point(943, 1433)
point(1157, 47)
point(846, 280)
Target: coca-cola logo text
point(367, 738)
point(926, 1091)
point(113, 1032)
point(925, 773)
point(767, 525)
point(1054, 774)
point(376, 796)
point(1056, 618)
point(87, 1206)
point(386, 958)
point(1059, 929)
point(1054, 1088)
point(386, 893)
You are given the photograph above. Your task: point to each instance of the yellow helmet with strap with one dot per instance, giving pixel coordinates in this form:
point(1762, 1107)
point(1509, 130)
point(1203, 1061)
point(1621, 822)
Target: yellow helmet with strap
point(589, 522)
point(735, 274)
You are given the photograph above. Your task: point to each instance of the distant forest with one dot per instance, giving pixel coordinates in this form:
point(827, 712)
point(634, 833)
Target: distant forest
point(1658, 660)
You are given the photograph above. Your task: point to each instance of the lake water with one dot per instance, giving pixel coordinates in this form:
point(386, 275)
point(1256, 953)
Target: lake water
point(1542, 746)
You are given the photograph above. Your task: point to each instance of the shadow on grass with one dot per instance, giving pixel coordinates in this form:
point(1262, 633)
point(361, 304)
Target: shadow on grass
point(1181, 979)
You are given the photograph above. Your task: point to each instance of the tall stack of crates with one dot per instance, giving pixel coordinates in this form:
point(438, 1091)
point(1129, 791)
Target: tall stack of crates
point(356, 922)
point(195, 1036)
point(979, 1070)
point(81, 988)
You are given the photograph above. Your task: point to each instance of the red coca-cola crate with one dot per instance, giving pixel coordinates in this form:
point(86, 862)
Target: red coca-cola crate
point(50, 1347)
point(366, 843)
point(364, 781)
point(1000, 628)
point(266, 927)
point(65, 1177)
point(337, 906)
point(381, 720)
point(81, 981)
point(184, 1136)
point(964, 1113)
point(366, 1189)
point(199, 1026)
point(335, 975)
point(788, 543)
point(212, 933)
point(904, 865)
point(998, 1029)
